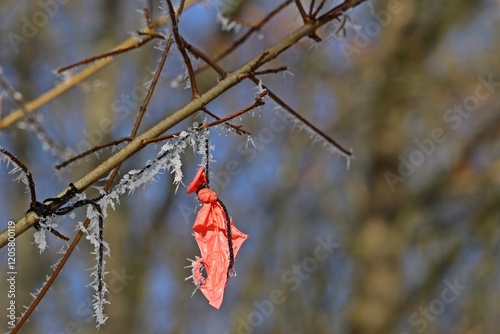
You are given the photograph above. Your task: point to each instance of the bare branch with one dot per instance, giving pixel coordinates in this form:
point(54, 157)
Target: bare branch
point(150, 35)
point(247, 35)
point(231, 79)
point(302, 11)
point(238, 128)
point(92, 150)
point(271, 70)
point(295, 114)
point(210, 62)
point(31, 183)
point(180, 44)
point(78, 77)
point(42, 134)
point(151, 89)
point(311, 8)
point(318, 9)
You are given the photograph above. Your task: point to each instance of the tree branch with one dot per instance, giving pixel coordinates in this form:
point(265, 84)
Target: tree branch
point(231, 80)
point(77, 78)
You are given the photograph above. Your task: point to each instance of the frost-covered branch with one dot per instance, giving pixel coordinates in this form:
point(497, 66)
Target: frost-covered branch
point(315, 134)
point(19, 168)
point(234, 78)
point(76, 78)
point(180, 44)
point(45, 215)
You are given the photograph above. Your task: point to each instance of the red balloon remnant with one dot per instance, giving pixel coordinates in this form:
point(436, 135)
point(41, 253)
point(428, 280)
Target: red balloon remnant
point(211, 234)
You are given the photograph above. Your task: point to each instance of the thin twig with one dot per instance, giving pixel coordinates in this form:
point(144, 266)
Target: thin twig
point(106, 188)
point(31, 183)
point(210, 62)
point(145, 104)
point(311, 8)
point(58, 234)
point(106, 55)
point(307, 19)
point(342, 25)
point(180, 9)
point(77, 78)
point(262, 59)
point(42, 134)
point(60, 265)
point(150, 35)
point(339, 10)
point(238, 128)
point(180, 44)
point(138, 119)
point(271, 70)
point(303, 120)
point(318, 9)
point(247, 35)
point(149, 23)
point(92, 150)
point(302, 11)
point(258, 102)
point(161, 138)
point(190, 108)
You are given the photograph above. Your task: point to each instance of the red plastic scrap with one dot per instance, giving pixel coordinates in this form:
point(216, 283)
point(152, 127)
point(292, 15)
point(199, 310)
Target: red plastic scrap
point(210, 232)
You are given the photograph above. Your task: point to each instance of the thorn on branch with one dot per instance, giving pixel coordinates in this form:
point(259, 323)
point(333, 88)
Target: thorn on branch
point(260, 61)
point(271, 70)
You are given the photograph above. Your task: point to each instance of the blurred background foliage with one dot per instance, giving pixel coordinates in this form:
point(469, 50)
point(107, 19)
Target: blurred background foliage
point(412, 226)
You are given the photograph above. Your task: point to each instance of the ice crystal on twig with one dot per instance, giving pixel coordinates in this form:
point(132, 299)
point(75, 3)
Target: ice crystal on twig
point(16, 168)
point(203, 148)
point(40, 240)
point(95, 235)
point(168, 159)
point(44, 224)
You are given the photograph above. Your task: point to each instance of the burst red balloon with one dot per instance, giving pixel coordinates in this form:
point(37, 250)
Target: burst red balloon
point(210, 232)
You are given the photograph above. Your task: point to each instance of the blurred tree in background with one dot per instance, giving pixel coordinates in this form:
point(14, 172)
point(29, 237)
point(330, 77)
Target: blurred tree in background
point(404, 241)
